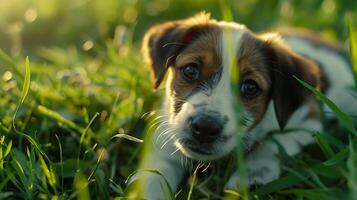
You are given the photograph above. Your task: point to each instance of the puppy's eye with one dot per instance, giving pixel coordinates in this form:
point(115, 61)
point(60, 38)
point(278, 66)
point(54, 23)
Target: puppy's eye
point(191, 73)
point(249, 89)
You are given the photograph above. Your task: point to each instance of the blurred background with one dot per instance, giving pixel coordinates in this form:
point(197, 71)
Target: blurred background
point(28, 25)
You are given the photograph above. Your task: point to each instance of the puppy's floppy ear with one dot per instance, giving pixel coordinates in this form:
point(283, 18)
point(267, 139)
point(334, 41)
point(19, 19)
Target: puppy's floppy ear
point(163, 42)
point(287, 93)
point(160, 45)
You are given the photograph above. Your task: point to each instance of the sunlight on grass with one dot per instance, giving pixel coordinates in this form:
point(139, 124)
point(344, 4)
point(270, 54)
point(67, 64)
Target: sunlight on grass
point(81, 187)
point(353, 46)
point(228, 43)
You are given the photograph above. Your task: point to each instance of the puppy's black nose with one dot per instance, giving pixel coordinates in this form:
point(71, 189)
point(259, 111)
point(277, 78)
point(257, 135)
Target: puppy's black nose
point(206, 128)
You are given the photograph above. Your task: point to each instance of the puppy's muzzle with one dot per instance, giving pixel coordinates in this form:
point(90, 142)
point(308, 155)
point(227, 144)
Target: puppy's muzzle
point(206, 127)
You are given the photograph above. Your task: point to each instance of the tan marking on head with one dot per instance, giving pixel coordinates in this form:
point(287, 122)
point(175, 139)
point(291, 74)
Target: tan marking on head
point(252, 65)
point(203, 51)
point(164, 41)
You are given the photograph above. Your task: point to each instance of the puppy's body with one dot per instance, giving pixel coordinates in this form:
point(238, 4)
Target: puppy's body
point(194, 107)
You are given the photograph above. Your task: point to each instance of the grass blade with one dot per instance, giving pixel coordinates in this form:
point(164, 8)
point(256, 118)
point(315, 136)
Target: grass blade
point(25, 89)
point(26, 85)
point(353, 47)
point(193, 182)
point(337, 158)
point(352, 169)
point(81, 188)
point(324, 146)
point(343, 117)
point(166, 187)
point(58, 117)
point(128, 137)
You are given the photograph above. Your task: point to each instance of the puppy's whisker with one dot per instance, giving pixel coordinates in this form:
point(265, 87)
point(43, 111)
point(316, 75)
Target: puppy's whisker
point(181, 161)
point(161, 116)
point(173, 43)
point(163, 123)
point(167, 141)
point(167, 132)
point(177, 149)
point(207, 166)
point(156, 123)
point(151, 120)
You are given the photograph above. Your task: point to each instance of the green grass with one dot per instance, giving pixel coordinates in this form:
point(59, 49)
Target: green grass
point(72, 119)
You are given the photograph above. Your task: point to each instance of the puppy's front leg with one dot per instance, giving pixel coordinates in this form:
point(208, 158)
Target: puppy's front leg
point(263, 165)
point(159, 167)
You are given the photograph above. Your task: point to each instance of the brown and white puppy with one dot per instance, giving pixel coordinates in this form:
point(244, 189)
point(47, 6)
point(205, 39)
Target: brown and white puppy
point(199, 120)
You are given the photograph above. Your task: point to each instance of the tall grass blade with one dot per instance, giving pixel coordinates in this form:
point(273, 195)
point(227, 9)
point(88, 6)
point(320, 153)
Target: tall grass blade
point(337, 158)
point(59, 118)
point(193, 182)
point(87, 128)
point(128, 137)
point(25, 89)
point(228, 43)
point(352, 169)
point(61, 160)
point(226, 11)
point(166, 187)
point(324, 146)
point(81, 188)
point(48, 171)
point(353, 47)
point(343, 117)
point(26, 85)
point(96, 165)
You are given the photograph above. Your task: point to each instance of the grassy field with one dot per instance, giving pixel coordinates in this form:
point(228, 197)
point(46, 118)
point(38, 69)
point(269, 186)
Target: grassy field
point(72, 115)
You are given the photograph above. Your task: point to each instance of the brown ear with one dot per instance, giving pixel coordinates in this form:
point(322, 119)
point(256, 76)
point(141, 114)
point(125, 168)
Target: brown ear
point(287, 93)
point(160, 45)
point(163, 42)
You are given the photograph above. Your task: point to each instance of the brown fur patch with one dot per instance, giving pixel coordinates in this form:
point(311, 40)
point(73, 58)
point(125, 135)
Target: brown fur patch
point(252, 65)
point(203, 51)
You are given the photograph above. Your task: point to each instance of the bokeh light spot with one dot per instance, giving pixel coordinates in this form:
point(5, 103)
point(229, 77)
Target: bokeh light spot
point(7, 76)
point(30, 15)
point(130, 14)
point(328, 6)
point(87, 45)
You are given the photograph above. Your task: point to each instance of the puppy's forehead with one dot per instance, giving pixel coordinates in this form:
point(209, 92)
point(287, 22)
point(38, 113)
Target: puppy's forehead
point(210, 47)
point(204, 51)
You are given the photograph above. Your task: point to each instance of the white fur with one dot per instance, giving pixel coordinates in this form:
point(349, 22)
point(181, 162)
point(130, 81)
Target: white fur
point(220, 100)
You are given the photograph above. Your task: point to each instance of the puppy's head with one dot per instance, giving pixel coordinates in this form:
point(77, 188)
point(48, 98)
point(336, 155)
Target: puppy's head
point(197, 56)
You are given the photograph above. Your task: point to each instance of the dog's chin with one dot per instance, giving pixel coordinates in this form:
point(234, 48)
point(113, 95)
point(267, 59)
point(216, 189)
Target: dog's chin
point(212, 151)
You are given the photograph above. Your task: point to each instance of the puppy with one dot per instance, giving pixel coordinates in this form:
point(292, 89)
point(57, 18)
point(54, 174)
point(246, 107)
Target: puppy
point(198, 116)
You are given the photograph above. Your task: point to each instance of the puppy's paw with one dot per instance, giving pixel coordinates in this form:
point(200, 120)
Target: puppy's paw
point(233, 182)
point(257, 175)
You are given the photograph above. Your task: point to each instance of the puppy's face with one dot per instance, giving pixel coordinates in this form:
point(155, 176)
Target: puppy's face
point(198, 54)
